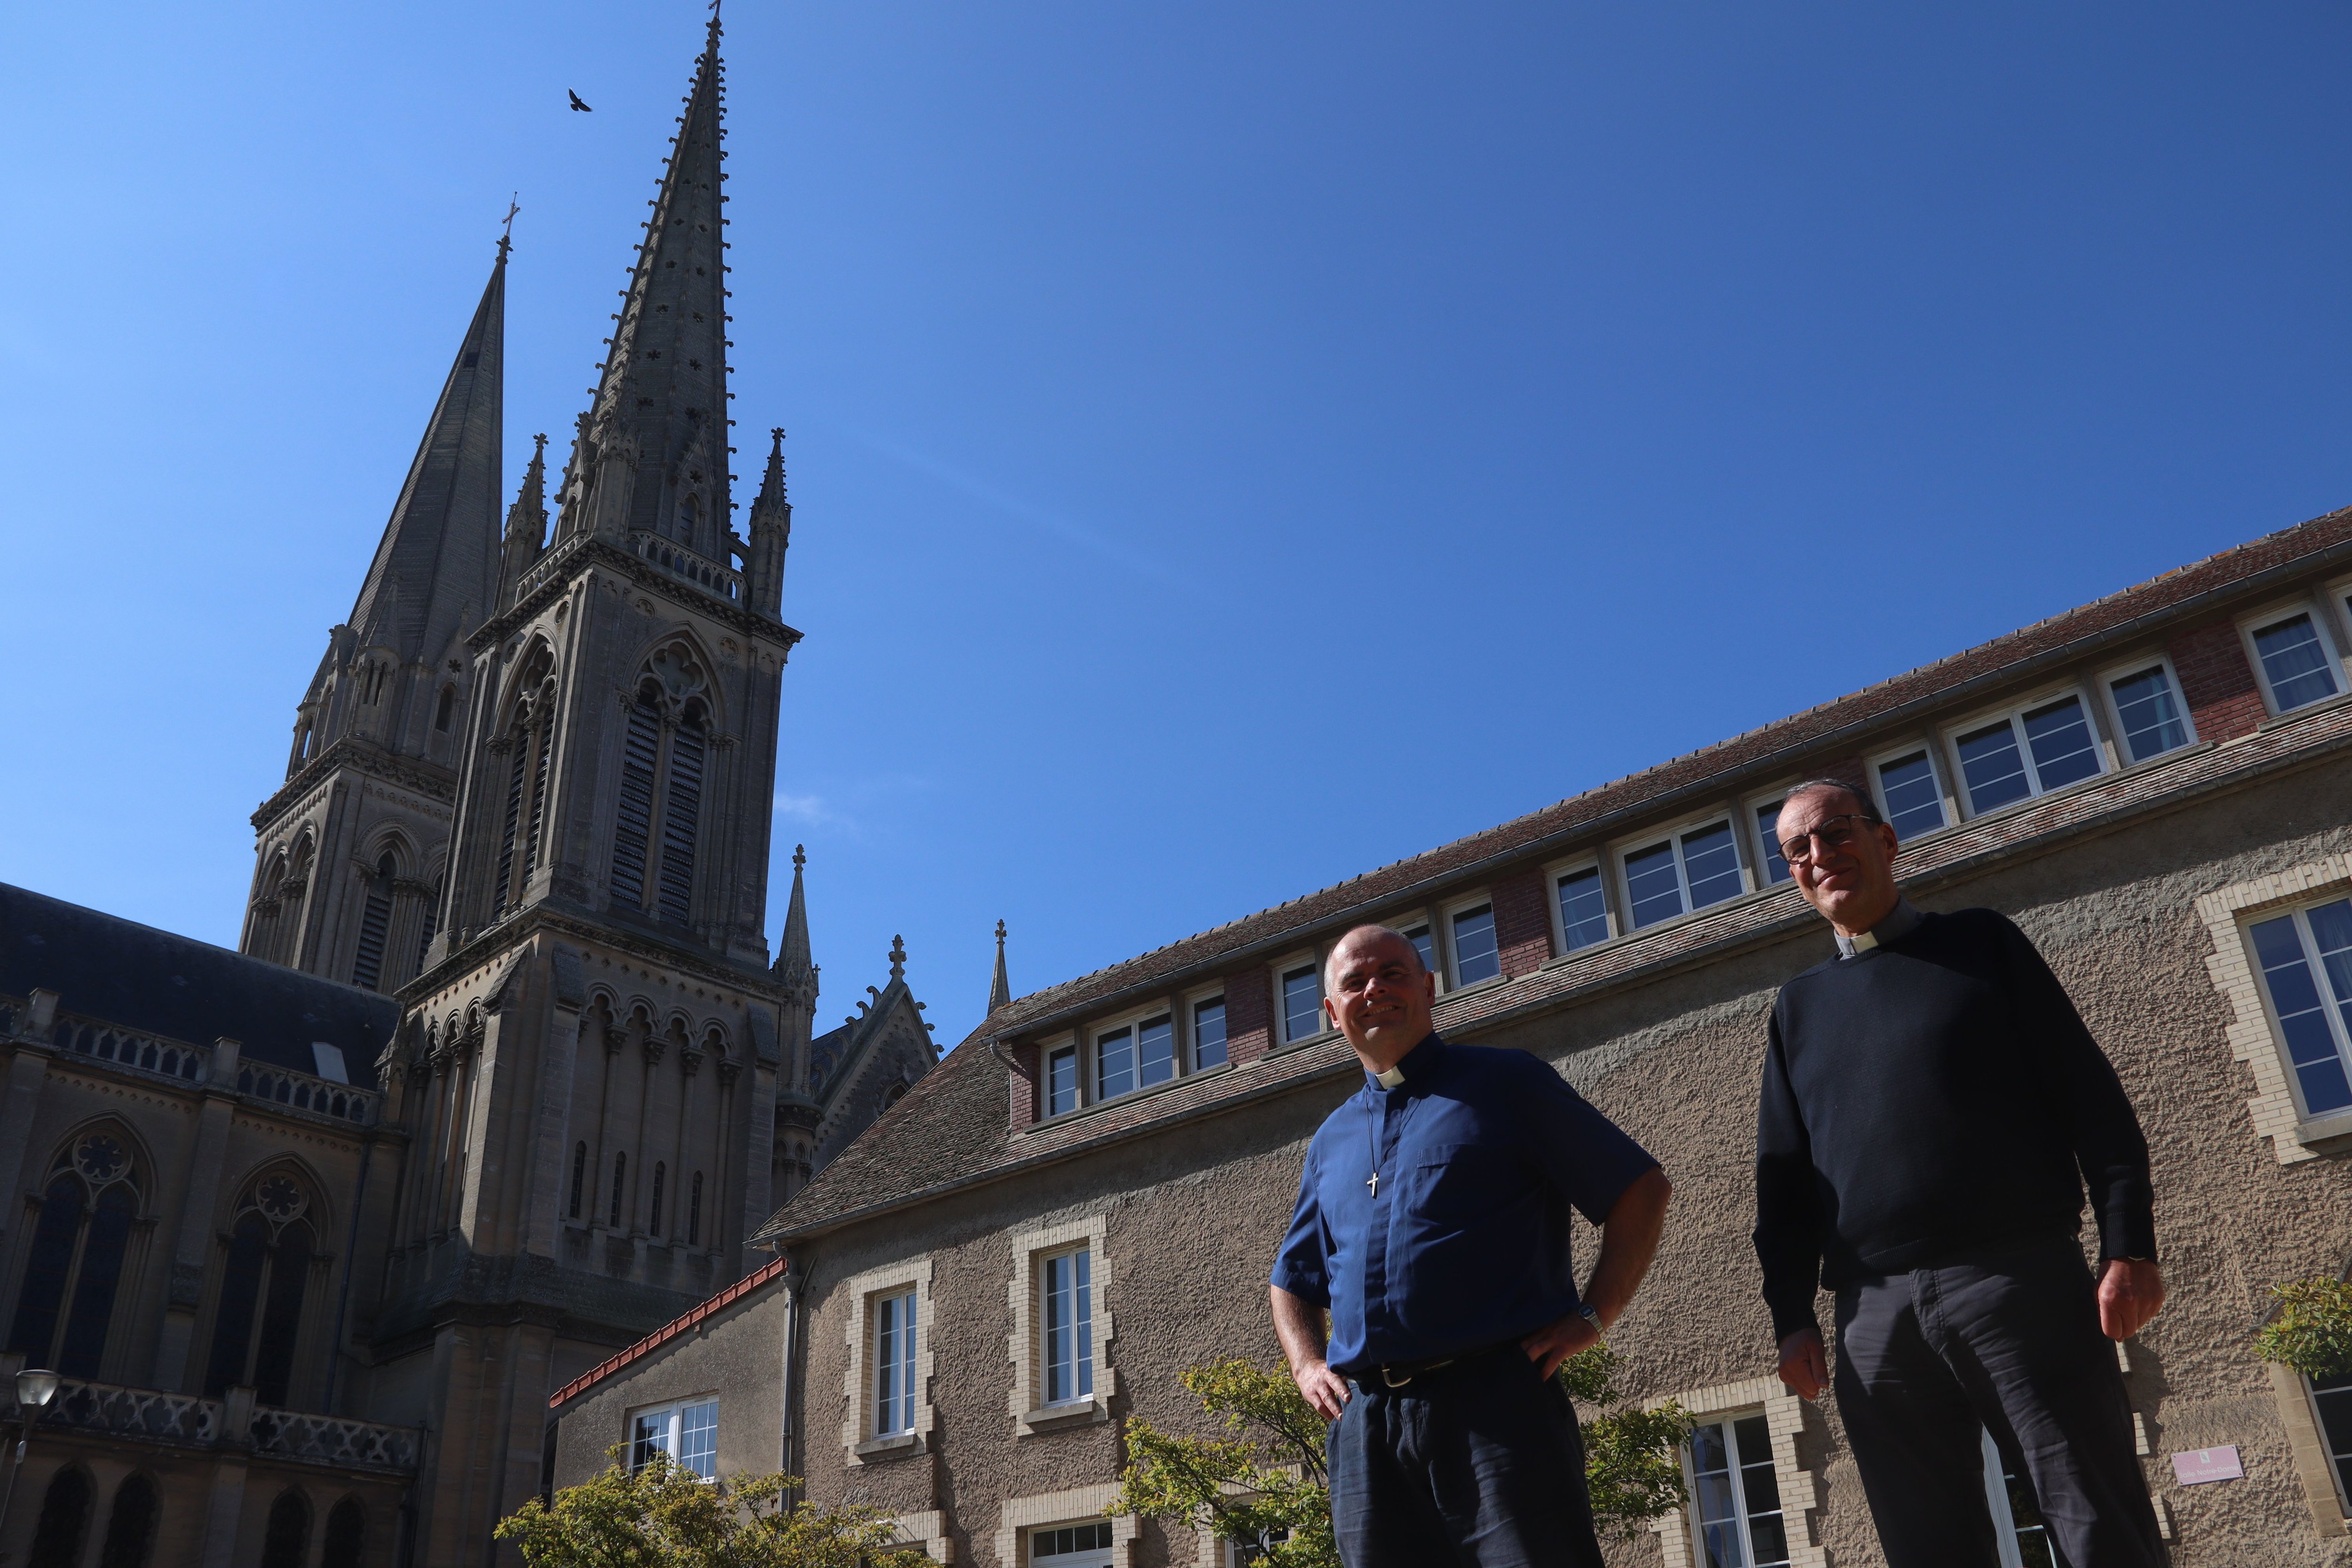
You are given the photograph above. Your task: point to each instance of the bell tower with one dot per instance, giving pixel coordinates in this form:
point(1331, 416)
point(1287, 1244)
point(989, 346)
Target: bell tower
point(588, 1064)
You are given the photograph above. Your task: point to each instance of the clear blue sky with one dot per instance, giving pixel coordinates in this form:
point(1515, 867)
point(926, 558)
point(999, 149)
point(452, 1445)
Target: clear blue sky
point(1233, 447)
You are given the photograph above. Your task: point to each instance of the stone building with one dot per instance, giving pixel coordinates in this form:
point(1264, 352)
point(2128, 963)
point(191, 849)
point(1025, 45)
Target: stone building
point(504, 1076)
point(1085, 1196)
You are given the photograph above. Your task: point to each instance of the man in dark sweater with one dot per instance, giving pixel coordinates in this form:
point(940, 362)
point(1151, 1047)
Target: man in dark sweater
point(1931, 1110)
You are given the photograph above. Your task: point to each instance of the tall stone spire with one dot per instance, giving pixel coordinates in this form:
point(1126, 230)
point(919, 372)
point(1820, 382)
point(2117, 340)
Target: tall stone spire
point(772, 533)
point(526, 523)
point(999, 990)
point(793, 966)
point(436, 569)
point(652, 458)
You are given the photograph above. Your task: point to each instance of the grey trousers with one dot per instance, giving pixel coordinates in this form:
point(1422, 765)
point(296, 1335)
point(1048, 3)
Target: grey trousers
point(2008, 1339)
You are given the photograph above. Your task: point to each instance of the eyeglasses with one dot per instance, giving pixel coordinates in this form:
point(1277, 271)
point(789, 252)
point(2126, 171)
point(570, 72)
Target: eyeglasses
point(1835, 833)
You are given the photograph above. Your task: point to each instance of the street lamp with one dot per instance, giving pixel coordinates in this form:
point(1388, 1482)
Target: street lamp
point(34, 1388)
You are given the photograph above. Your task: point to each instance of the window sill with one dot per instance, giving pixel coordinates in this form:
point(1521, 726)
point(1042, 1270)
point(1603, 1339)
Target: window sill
point(2329, 1134)
point(1306, 1041)
point(1491, 983)
point(1130, 1099)
point(888, 1447)
point(2341, 699)
point(1061, 1417)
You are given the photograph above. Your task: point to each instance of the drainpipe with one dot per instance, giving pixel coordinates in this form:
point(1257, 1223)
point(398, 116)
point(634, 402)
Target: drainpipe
point(796, 1281)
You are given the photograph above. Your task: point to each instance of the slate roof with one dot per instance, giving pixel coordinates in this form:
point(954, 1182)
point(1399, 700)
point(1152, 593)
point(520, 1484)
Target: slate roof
point(954, 1124)
point(102, 966)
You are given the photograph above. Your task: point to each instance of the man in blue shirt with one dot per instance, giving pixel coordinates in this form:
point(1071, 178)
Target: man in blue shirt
point(1433, 1229)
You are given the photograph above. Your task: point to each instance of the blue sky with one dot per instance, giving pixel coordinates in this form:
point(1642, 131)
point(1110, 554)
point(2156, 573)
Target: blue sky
point(1232, 447)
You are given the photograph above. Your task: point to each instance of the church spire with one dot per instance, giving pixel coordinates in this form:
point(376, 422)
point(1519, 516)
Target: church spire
point(526, 521)
point(437, 567)
point(793, 966)
point(652, 456)
point(772, 532)
point(999, 990)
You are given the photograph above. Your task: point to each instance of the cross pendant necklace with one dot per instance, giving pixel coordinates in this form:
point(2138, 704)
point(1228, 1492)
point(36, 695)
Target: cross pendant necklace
point(1372, 1138)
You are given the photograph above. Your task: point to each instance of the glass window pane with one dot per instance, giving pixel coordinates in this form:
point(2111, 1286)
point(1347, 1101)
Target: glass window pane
point(1722, 1543)
point(2296, 662)
point(1155, 1050)
point(1913, 806)
point(1772, 1540)
point(2334, 1415)
point(2302, 1014)
point(1302, 997)
point(1060, 1336)
point(2151, 718)
point(1475, 955)
point(1990, 764)
point(1209, 1034)
point(1768, 834)
point(1651, 885)
point(650, 1438)
point(2059, 736)
point(1082, 1266)
point(1425, 945)
point(698, 1439)
point(1062, 1081)
point(1711, 861)
point(2331, 933)
point(1583, 910)
point(1115, 1064)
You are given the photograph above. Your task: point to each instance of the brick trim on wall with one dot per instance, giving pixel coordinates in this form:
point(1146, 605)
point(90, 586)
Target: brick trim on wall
point(857, 1378)
point(2252, 1039)
point(1076, 1505)
point(1026, 1346)
point(1801, 1489)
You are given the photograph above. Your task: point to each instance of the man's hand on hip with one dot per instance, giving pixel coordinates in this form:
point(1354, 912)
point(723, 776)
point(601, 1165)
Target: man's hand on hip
point(1550, 1345)
point(1324, 1389)
point(1805, 1364)
point(2131, 1291)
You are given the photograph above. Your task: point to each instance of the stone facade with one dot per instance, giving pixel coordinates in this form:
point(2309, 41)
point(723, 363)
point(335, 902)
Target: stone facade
point(2140, 868)
point(503, 1075)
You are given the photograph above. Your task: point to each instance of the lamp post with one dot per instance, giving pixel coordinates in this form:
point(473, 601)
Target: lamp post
point(34, 1388)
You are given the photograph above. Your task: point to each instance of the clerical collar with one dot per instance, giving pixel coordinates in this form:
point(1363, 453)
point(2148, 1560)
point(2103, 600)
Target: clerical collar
point(1390, 1078)
point(1420, 1056)
point(1900, 922)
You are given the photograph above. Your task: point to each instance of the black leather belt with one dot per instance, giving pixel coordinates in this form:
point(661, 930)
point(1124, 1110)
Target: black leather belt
point(1397, 1374)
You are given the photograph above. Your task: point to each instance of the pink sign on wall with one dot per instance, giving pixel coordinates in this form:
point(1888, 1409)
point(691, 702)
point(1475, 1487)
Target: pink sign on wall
point(2198, 1466)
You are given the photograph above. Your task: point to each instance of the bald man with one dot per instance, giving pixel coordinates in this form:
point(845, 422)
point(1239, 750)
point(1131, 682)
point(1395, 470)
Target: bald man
point(1431, 1245)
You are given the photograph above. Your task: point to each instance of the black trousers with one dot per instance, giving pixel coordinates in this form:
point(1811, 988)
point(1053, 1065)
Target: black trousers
point(1476, 1466)
point(2007, 1340)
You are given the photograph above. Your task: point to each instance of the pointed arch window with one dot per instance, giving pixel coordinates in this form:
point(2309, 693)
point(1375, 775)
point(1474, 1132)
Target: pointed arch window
point(74, 1269)
point(694, 1212)
point(620, 1180)
point(64, 1521)
point(531, 745)
point(445, 709)
point(288, 1537)
point(375, 926)
point(260, 1314)
point(346, 1532)
point(130, 1524)
point(654, 1228)
point(657, 820)
point(432, 924)
point(579, 1175)
point(690, 514)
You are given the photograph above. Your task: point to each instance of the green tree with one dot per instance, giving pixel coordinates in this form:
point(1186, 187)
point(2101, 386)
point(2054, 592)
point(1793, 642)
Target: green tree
point(2312, 1329)
point(1263, 1482)
point(664, 1516)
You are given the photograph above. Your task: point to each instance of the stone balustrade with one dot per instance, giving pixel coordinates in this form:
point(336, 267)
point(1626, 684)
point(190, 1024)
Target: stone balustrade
point(300, 1091)
point(149, 1415)
point(679, 562)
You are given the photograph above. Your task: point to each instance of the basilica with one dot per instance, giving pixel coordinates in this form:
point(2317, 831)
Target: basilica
point(504, 1074)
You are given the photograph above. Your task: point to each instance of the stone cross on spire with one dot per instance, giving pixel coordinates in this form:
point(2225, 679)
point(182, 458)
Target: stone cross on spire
point(898, 958)
point(999, 990)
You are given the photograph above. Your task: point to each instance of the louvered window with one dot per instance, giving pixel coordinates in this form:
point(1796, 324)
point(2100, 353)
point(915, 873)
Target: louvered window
point(431, 924)
point(515, 776)
point(682, 808)
point(375, 924)
point(546, 748)
point(633, 827)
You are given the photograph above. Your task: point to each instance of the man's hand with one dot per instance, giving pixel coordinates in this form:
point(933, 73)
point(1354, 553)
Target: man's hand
point(1324, 1389)
point(2131, 1291)
point(1550, 1345)
point(1805, 1364)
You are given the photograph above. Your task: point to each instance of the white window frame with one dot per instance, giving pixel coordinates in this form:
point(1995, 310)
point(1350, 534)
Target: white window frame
point(1291, 966)
point(1424, 919)
point(1801, 1493)
point(1189, 1051)
point(1450, 979)
point(1046, 1050)
point(2004, 1520)
point(1020, 1518)
point(2275, 1107)
point(861, 1442)
point(2298, 910)
point(1132, 1020)
point(1026, 1294)
point(1101, 1556)
point(1626, 850)
point(1938, 769)
point(2340, 1495)
point(1730, 1418)
point(673, 1414)
point(2013, 713)
point(1766, 853)
point(2322, 622)
point(898, 1334)
point(1610, 910)
point(2112, 710)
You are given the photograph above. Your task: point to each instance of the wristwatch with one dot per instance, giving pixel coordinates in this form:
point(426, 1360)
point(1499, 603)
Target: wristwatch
point(1592, 1317)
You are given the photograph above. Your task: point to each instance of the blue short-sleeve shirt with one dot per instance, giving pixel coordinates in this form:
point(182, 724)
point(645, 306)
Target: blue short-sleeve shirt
point(1463, 1244)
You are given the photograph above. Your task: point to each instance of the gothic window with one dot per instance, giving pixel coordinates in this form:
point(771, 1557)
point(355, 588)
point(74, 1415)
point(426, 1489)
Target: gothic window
point(375, 923)
point(260, 1308)
point(432, 924)
point(285, 1542)
point(75, 1263)
point(545, 749)
point(130, 1524)
point(579, 1175)
point(620, 1179)
point(445, 709)
point(694, 1212)
point(690, 513)
point(346, 1533)
point(65, 1520)
point(656, 823)
point(654, 1227)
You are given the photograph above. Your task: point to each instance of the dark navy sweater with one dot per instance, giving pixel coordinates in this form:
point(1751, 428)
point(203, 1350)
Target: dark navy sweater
point(1927, 1097)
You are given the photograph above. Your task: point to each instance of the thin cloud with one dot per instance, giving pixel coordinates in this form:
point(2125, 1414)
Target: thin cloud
point(810, 809)
point(1011, 506)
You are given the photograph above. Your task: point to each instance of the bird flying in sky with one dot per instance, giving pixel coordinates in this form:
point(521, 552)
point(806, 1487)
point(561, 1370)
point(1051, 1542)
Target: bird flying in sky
point(577, 104)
